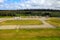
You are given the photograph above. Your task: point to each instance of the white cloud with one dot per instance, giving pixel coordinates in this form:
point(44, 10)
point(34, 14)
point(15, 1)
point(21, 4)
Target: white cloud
point(1, 1)
point(37, 3)
point(58, 2)
point(45, 4)
point(32, 4)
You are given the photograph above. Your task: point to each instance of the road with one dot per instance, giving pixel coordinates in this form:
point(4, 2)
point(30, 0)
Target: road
point(44, 25)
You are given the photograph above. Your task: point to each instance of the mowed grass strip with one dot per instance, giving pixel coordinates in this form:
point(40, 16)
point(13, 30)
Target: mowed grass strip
point(54, 21)
point(21, 22)
point(30, 34)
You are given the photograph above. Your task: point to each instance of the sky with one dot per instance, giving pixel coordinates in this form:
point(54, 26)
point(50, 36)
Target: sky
point(29, 4)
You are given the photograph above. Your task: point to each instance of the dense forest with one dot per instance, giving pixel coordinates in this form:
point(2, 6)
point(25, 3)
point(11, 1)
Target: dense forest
point(31, 12)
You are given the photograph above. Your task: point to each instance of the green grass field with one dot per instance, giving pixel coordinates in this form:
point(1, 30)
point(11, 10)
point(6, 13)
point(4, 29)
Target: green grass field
point(54, 21)
point(6, 16)
point(30, 34)
point(21, 22)
point(13, 16)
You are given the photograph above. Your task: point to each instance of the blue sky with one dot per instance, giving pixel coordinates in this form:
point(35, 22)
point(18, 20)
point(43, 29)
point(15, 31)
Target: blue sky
point(29, 4)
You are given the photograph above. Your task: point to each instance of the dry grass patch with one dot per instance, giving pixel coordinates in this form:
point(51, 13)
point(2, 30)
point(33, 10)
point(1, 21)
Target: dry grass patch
point(54, 21)
point(21, 22)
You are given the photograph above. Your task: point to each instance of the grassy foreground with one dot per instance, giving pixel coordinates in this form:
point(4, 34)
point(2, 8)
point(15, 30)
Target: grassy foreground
point(30, 34)
point(54, 21)
point(21, 22)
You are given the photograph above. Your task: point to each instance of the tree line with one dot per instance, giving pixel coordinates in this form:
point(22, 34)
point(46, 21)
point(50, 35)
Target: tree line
point(29, 13)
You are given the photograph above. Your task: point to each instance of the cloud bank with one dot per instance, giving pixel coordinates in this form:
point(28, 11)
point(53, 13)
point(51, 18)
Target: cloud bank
point(29, 4)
